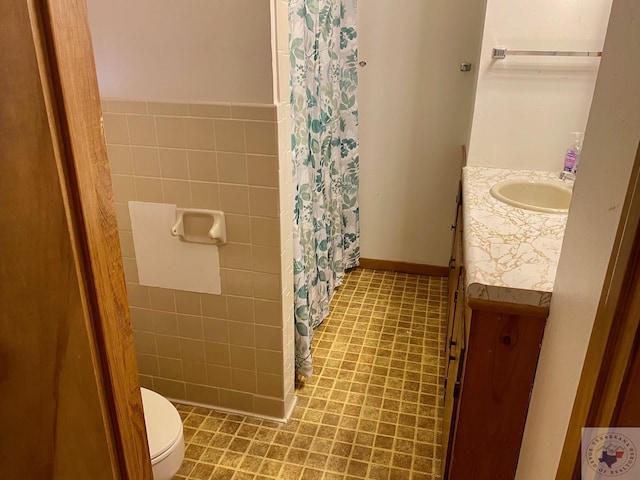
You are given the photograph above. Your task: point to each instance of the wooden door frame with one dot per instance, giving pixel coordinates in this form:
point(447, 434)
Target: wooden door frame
point(68, 76)
point(613, 353)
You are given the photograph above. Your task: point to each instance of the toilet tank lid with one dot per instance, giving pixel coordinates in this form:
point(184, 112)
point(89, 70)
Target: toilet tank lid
point(164, 426)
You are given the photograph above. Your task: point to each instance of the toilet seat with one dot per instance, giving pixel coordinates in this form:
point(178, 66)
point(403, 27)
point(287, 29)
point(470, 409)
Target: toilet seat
point(163, 424)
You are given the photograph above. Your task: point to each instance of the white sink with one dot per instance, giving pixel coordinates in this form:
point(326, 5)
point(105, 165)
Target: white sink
point(537, 195)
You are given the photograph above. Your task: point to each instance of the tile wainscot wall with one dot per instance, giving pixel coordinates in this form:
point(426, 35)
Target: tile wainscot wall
point(232, 351)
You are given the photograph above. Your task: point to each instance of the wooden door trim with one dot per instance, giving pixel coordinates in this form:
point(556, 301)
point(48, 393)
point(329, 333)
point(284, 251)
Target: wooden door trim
point(612, 348)
point(69, 79)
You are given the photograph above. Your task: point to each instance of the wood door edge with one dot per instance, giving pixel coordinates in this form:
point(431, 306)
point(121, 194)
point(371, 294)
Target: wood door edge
point(46, 67)
point(85, 168)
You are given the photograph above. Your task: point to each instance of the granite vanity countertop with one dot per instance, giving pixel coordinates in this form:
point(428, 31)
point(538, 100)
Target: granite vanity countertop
point(510, 254)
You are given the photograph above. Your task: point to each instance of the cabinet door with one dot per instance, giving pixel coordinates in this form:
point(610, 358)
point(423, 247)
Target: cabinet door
point(455, 361)
point(455, 268)
point(501, 353)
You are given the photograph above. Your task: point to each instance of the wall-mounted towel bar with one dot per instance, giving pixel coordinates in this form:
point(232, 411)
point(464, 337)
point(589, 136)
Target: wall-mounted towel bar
point(500, 53)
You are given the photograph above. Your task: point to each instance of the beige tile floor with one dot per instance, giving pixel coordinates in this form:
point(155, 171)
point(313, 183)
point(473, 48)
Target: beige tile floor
point(371, 410)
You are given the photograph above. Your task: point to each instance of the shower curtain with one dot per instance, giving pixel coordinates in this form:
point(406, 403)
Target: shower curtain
point(324, 143)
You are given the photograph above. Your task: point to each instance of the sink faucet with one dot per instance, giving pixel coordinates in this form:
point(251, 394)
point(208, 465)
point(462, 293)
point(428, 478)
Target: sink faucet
point(567, 176)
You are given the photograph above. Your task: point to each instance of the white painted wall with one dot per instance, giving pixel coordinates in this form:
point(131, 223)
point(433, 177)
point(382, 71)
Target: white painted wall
point(415, 107)
point(187, 50)
point(612, 137)
point(526, 107)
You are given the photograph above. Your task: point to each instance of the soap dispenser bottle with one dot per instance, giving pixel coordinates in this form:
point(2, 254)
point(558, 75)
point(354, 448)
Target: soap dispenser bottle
point(572, 155)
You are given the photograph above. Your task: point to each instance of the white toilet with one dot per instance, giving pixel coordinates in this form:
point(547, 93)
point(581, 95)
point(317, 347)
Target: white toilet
point(164, 432)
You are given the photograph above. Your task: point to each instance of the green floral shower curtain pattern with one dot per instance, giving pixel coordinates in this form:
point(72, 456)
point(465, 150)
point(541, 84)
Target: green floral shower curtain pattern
point(324, 115)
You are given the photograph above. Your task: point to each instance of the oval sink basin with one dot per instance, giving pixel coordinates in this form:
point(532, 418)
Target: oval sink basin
point(537, 195)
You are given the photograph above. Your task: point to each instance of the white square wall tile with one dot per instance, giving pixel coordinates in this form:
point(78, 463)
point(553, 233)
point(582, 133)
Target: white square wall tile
point(285, 199)
point(176, 192)
point(284, 136)
point(199, 133)
point(210, 110)
point(167, 108)
point(124, 188)
point(282, 26)
point(173, 163)
point(120, 159)
point(283, 64)
point(127, 106)
point(146, 162)
point(122, 216)
point(203, 166)
point(115, 128)
point(283, 109)
point(170, 132)
point(149, 189)
point(142, 130)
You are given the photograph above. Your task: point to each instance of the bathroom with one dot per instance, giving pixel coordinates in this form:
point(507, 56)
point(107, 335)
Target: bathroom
point(253, 121)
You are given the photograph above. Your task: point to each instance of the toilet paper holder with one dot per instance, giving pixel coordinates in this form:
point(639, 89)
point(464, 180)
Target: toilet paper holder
point(197, 225)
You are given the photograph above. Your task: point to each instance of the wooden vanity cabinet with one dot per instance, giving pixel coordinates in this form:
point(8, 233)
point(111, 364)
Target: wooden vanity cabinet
point(455, 356)
point(454, 346)
point(491, 353)
point(455, 270)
